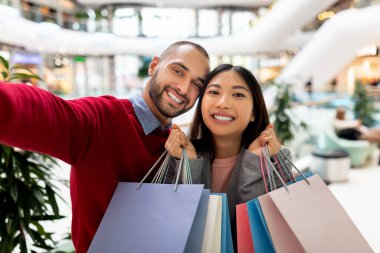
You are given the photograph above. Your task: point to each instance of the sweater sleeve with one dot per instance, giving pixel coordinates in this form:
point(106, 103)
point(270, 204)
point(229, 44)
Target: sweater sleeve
point(196, 166)
point(37, 120)
point(251, 184)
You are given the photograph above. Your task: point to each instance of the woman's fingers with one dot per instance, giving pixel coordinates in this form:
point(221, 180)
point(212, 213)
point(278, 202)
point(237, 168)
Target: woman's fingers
point(178, 140)
point(269, 137)
point(174, 143)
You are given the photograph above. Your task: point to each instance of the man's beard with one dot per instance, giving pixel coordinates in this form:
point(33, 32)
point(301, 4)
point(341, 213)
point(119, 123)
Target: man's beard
point(156, 95)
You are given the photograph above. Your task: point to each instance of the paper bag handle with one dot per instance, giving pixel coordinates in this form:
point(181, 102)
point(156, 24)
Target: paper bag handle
point(163, 169)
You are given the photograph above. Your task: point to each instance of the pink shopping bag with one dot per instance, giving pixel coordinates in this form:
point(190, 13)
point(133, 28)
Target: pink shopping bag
point(308, 218)
point(244, 236)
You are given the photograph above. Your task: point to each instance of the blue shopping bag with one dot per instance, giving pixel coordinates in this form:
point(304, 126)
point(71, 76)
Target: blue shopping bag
point(153, 218)
point(226, 240)
point(262, 242)
point(306, 175)
point(194, 242)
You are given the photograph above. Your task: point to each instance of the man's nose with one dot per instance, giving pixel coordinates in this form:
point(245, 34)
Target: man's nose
point(184, 87)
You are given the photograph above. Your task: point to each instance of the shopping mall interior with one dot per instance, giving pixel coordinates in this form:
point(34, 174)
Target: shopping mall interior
point(320, 52)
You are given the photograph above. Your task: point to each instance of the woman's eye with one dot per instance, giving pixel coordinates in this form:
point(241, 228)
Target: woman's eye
point(239, 95)
point(213, 92)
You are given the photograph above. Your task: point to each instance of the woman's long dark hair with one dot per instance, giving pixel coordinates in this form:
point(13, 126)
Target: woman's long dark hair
point(201, 136)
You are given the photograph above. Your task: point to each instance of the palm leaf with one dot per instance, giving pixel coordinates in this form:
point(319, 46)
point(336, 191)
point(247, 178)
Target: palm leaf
point(4, 62)
point(15, 76)
point(4, 74)
point(27, 190)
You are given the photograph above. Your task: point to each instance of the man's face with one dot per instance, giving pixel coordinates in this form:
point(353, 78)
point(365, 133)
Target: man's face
point(177, 79)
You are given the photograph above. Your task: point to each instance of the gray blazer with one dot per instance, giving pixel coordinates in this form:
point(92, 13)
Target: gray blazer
point(246, 180)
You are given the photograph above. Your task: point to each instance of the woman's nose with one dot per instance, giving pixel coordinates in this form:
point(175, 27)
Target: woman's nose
point(223, 102)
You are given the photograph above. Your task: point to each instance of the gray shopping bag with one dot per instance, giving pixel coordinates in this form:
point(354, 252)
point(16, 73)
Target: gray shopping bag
point(153, 218)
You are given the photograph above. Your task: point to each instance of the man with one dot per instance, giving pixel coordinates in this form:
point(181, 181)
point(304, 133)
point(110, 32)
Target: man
point(106, 140)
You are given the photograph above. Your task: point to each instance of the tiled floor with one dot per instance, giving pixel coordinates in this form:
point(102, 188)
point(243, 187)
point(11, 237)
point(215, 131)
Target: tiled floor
point(360, 197)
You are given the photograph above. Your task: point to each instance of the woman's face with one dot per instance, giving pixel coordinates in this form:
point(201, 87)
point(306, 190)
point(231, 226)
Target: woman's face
point(227, 105)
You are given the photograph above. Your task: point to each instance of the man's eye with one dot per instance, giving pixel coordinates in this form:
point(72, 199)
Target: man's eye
point(198, 85)
point(178, 73)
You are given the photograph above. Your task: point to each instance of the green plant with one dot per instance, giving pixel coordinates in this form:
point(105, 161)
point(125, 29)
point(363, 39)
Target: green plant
point(364, 107)
point(27, 190)
point(282, 119)
point(143, 70)
point(16, 72)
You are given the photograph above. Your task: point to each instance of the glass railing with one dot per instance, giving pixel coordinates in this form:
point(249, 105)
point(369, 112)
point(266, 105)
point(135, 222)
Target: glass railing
point(91, 21)
point(6, 2)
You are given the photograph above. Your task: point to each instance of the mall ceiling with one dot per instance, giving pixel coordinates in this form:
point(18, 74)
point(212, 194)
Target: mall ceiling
point(176, 3)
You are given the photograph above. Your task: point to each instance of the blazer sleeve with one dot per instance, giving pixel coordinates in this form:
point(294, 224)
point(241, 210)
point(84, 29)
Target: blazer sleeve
point(251, 183)
point(196, 167)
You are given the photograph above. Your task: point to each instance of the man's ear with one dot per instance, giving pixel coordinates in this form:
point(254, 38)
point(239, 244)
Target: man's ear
point(153, 66)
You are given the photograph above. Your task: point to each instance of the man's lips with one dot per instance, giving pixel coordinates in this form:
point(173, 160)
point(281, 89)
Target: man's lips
point(175, 97)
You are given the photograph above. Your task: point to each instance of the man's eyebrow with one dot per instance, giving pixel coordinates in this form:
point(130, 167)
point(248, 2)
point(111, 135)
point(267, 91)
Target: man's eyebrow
point(181, 65)
point(201, 80)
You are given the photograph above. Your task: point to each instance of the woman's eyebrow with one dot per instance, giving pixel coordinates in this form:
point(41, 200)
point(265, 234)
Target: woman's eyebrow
point(240, 87)
point(214, 86)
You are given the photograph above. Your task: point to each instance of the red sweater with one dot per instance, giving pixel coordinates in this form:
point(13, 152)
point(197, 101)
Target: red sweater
point(100, 137)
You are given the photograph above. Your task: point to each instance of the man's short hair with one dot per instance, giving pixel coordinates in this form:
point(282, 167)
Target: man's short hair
point(177, 44)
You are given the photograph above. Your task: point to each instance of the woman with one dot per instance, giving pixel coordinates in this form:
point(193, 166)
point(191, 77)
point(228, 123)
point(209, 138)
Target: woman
point(353, 129)
point(228, 131)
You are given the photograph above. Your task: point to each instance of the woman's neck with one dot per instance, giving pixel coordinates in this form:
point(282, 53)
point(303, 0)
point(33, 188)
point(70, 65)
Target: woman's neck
point(226, 147)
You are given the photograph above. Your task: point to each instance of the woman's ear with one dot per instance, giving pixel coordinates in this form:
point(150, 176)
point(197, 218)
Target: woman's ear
point(252, 118)
point(153, 66)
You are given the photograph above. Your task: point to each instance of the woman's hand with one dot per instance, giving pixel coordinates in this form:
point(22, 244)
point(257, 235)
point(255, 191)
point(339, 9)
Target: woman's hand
point(268, 136)
point(178, 140)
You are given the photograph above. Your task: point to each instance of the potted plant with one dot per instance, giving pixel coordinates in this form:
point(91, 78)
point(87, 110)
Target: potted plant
point(28, 195)
point(284, 122)
point(364, 107)
point(143, 69)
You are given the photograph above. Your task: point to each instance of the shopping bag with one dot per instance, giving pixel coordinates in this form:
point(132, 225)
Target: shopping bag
point(195, 240)
point(308, 218)
point(243, 230)
point(213, 227)
point(145, 217)
point(226, 236)
point(260, 235)
point(262, 241)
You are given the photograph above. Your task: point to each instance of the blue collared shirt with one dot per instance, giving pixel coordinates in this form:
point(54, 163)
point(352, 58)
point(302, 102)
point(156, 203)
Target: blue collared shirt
point(148, 121)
